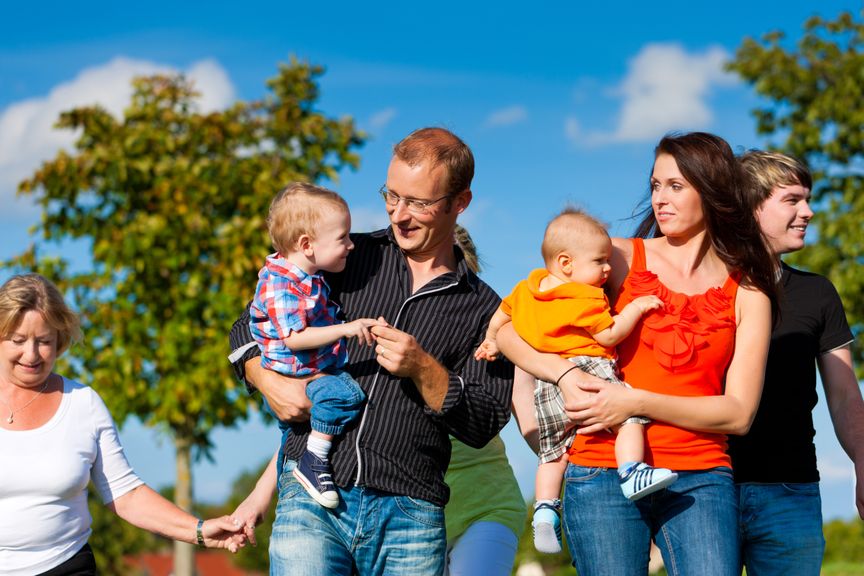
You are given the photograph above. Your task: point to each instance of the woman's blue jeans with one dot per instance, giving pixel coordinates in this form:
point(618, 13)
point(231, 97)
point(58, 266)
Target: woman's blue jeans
point(694, 523)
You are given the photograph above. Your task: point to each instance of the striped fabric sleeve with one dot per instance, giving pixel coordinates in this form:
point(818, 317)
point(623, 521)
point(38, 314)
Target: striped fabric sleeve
point(239, 339)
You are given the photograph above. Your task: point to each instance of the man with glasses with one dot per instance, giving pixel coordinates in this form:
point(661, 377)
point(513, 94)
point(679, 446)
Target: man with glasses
point(421, 381)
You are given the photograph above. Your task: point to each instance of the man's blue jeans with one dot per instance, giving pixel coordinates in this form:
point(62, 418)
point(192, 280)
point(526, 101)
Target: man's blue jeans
point(370, 533)
point(781, 529)
point(693, 523)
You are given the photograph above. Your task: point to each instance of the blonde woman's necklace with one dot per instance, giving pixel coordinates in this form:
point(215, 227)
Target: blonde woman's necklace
point(11, 417)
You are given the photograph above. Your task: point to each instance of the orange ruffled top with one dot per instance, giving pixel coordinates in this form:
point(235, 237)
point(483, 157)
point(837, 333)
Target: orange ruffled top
point(682, 349)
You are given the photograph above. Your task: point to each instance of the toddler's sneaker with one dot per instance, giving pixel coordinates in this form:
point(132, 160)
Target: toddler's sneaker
point(547, 526)
point(641, 479)
point(316, 477)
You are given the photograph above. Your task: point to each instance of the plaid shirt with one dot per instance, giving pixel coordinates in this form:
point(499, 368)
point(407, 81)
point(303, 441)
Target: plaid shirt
point(287, 300)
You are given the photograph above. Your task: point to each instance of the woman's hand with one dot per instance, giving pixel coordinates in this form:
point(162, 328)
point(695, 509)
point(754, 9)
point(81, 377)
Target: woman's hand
point(602, 406)
point(223, 532)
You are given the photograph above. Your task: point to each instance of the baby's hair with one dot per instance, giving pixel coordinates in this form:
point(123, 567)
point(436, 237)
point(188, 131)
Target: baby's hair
point(567, 229)
point(297, 210)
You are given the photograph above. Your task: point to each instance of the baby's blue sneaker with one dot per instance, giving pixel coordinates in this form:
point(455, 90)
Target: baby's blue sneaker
point(640, 479)
point(316, 477)
point(547, 526)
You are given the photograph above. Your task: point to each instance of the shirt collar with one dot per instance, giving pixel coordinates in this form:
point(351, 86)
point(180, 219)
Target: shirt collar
point(462, 273)
point(280, 265)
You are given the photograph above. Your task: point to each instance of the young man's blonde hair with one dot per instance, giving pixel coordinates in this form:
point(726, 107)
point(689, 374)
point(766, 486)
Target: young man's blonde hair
point(33, 292)
point(297, 210)
point(566, 230)
point(765, 171)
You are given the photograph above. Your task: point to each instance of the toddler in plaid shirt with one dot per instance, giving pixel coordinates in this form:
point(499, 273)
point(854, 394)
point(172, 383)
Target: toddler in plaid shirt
point(296, 325)
point(562, 309)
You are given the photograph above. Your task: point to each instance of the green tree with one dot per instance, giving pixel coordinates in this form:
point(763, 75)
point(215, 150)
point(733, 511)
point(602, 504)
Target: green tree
point(844, 541)
point(814, 109)
point(172, 203)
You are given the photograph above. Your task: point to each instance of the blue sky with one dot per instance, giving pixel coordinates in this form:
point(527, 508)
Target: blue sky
point(560, 101)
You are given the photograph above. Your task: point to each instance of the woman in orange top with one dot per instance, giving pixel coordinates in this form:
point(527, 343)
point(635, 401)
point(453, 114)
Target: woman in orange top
point(696, 368)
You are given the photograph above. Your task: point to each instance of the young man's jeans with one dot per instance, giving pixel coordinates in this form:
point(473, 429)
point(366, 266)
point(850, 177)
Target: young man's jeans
point(694, 523)
point(781, 529)
point(370, 533)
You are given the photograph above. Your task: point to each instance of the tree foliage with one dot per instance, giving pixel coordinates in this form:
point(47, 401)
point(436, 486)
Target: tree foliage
point(172, 202)
point(814, 109)
point(844, 541)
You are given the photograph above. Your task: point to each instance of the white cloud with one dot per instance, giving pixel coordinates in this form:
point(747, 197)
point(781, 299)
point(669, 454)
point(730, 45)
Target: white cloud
point(27, 135)
point(507, 116)
point(572, 130)
point(830, 469)
point(382, 118)
point(665, 89)
point(212, 82)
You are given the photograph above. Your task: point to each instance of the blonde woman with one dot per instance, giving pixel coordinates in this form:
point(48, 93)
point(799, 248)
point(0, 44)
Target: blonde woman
point(56, 435)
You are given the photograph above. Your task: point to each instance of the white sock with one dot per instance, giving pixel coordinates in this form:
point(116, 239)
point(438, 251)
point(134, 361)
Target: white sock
point(318, 446)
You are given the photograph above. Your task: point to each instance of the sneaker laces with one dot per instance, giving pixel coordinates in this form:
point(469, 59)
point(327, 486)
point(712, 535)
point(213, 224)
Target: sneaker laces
point(643, 476)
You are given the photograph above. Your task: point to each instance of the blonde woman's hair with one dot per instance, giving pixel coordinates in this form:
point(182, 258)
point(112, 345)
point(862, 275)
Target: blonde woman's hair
point(25, 292)
point(298, 210)
point(567, 230)
point(469, 250)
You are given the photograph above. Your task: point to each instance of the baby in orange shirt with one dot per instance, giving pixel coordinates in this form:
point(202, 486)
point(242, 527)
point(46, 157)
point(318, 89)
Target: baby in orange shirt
point(562, 309)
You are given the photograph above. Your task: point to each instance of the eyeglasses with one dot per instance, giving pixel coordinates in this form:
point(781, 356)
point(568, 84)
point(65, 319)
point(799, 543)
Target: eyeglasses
point(413, 206)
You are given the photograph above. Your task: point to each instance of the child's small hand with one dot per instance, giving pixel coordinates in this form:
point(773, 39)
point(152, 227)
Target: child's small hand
point(647, 303)
point(488, 350)
point(360, 329)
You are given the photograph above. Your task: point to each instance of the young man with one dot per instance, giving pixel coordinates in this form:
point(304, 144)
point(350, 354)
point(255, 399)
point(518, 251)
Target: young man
point(420, 378)
point(775, 463)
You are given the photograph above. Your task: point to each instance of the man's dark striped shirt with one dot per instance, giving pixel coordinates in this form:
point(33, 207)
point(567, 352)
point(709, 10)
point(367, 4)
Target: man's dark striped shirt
point(399, 445)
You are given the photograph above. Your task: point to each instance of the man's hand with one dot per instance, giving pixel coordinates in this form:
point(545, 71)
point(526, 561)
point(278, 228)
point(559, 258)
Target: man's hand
point(360, 329)
point(286, 396)
point(399, 353)
point(251, 511)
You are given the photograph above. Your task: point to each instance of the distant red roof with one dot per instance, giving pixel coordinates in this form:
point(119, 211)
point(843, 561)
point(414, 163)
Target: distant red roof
point(216, 563)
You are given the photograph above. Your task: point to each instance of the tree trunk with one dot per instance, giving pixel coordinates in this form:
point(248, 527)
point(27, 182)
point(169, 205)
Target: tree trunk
point(184, 554)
